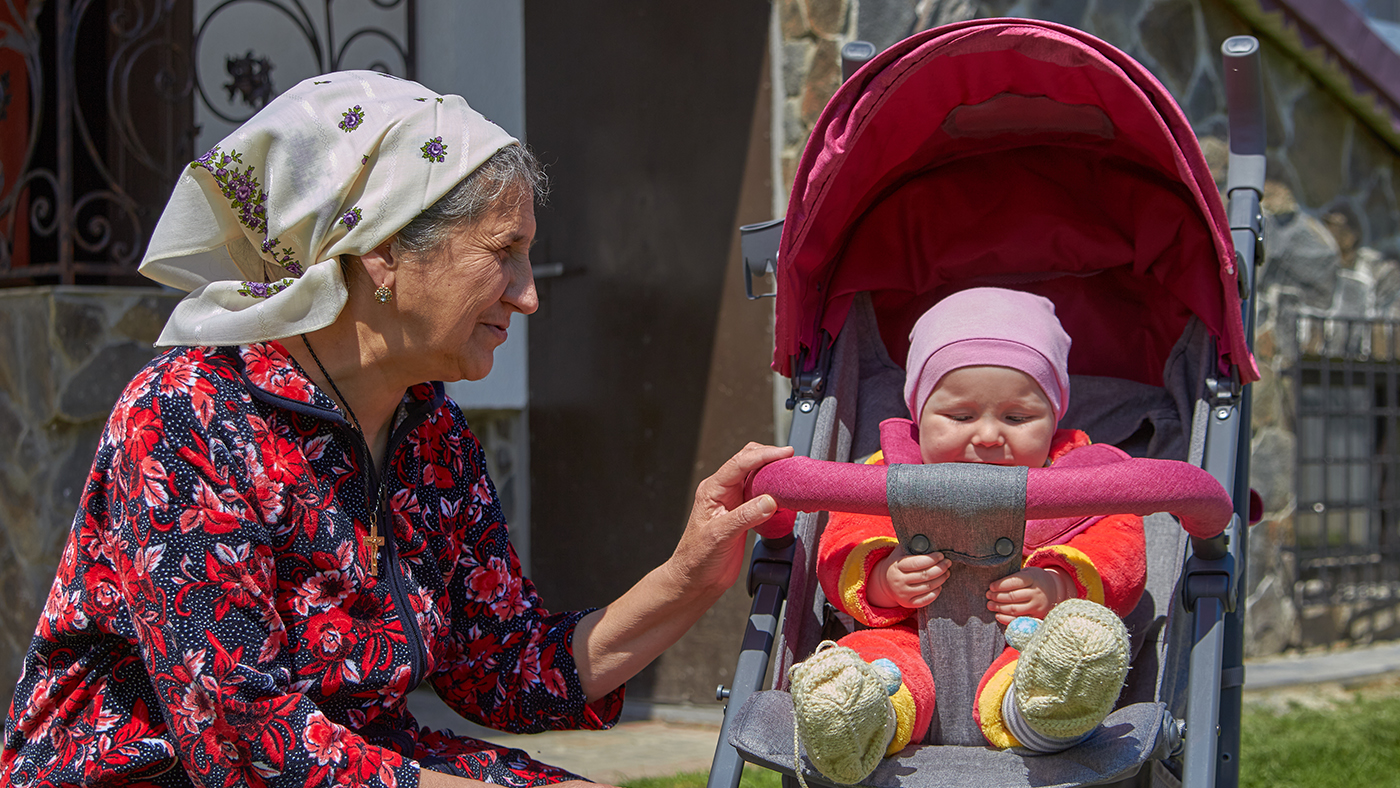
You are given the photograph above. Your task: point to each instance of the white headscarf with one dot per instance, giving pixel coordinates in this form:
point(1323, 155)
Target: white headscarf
point(336, 165)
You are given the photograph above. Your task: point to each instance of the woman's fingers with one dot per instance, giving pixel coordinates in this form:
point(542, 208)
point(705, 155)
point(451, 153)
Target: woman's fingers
point(726, 485)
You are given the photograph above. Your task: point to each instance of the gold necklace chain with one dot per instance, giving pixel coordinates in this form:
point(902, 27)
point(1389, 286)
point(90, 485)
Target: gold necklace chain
point(373, 540)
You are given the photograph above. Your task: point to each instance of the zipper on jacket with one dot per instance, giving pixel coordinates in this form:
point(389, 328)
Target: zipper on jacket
point(418, 648)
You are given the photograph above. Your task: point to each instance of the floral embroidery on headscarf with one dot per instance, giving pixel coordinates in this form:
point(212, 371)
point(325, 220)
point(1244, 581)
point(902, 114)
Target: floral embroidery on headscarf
point(353, 117)
point(434, 149)
point(265, 289)
point(246, 197)
point(283, 258)
point(351, 218)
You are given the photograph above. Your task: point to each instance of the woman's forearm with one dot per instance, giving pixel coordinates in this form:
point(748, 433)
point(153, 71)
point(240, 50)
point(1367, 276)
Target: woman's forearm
point(614, 643)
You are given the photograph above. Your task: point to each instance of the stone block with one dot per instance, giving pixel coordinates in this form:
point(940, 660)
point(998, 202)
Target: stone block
point(934, 13)
point(1203, 100)
point(1168, 33)
point(1217, 153)
point(1368, 155)
point(1304, 255)
point(1221, 23)
point(885, 23)
point(95, 387)
point(827, 18)
point(797, 61)
point(1321, 126)
point(1380, 210)
point(12, 427)
point(1343, 227)
point(794, 130)
point(1278, 202)
point(1065, 12)
point(1114, 22)
point(79, 326)
point(1283, 80)
point(9, 355)
point(143, 319)
point(1273, 405)
point(1387, 276)
point(1271, 468)
point(793, 19)
point(822, 81)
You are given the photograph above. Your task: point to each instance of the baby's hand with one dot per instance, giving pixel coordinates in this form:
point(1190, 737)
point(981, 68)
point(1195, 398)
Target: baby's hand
point(908, 581)
point(1029, 592)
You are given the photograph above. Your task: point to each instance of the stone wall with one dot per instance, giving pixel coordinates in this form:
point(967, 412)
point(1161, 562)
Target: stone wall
point(1331, 228)
point(66, 353)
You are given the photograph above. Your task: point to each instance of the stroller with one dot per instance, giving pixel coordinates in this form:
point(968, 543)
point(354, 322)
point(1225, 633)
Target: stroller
point(1025, 155)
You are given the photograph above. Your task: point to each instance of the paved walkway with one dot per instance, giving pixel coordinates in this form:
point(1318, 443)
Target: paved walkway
point(656, 741)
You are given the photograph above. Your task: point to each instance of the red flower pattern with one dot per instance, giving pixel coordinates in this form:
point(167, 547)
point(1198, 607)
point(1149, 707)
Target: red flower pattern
point(213, 623)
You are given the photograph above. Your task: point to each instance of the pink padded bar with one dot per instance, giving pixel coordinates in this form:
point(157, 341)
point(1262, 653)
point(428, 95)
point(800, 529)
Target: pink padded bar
point(1115, 486)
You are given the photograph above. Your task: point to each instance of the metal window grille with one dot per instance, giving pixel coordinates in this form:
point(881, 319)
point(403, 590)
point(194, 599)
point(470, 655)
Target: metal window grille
point(1347, 393)
point(101, 102)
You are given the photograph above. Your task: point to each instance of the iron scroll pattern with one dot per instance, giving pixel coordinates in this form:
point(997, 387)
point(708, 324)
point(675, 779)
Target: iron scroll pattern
point(250, 76)
point(107, 136)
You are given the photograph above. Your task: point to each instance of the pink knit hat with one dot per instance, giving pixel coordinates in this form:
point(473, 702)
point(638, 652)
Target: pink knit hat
point(988, 326)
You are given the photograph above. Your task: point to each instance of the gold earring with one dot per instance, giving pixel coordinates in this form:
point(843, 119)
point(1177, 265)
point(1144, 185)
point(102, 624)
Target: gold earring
point(383, 294)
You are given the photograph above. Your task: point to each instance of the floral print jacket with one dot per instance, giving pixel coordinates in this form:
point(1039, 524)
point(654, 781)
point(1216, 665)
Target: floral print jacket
point(214, 620)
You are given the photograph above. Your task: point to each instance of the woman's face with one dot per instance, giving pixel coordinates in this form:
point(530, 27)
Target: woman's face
point(458, 301)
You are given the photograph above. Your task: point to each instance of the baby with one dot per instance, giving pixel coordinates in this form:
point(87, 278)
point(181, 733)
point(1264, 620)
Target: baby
point(987, 382)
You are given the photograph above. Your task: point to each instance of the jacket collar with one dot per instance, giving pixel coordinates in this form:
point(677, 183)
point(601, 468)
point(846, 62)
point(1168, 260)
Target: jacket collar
point(275, 377)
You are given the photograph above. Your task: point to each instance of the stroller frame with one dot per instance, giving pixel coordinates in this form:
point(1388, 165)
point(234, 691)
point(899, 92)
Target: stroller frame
point(1210, 580)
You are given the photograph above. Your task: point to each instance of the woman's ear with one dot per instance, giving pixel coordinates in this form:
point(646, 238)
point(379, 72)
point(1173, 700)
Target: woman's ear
point(380, 265)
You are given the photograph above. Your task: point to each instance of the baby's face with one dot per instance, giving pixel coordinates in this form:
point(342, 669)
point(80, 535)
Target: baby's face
point(993, 415)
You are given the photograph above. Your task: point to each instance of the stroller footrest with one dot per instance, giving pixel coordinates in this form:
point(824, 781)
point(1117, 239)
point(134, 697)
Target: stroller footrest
point(762, 732)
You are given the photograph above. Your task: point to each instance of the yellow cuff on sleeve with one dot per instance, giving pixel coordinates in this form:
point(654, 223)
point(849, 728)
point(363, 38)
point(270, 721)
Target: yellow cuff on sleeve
point(853, 574)
point(1080, 566)
point(989, 708)
point(904, 712)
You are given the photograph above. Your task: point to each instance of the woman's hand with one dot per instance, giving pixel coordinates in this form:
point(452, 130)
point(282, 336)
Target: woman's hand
point(710, 554)
point(610, 645)
point(1029, 592)
point(907, 581)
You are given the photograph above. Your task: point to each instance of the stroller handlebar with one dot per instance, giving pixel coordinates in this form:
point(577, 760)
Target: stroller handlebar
point(1124, 486)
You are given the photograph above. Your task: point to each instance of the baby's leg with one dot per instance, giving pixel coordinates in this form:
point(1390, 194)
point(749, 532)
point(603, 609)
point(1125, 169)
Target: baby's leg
point(913, 703)
point(849, 712)
point(1062, 684)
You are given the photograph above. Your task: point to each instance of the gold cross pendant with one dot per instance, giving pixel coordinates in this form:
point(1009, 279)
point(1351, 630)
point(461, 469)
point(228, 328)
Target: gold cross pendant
point(375, 541)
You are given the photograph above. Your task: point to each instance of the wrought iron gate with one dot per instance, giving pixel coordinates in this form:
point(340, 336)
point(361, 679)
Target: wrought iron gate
point(1347, 522)
point(102, 103)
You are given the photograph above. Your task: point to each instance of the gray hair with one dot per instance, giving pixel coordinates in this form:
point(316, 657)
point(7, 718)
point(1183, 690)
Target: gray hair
point(511, 175)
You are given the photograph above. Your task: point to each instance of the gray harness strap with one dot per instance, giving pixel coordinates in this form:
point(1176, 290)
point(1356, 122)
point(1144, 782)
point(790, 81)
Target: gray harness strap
point(976, 516)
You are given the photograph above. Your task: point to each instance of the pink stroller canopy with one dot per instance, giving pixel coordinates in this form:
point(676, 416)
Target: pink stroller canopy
point(1013, 153)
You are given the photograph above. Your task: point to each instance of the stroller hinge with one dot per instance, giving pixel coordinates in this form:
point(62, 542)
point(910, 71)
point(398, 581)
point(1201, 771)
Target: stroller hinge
point(771, 564)
point(1224, 393)
point(809, 385)
point(1210, 573)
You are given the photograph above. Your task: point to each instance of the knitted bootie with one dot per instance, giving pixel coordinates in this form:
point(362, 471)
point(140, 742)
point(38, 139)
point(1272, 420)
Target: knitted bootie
point(841, 705)
point(1069, 674)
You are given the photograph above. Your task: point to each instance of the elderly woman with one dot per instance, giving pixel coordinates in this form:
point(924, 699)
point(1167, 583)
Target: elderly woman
point(285, 529)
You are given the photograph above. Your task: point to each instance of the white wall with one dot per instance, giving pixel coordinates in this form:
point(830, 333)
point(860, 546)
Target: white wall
point(476, 48)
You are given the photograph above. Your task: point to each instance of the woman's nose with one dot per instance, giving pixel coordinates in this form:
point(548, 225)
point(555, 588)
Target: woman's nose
point(522, 294)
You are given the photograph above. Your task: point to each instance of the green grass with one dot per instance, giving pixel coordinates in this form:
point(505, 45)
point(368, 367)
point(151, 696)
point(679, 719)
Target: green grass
point(1350, 743)
point(1353, 743)
point(753, 777)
